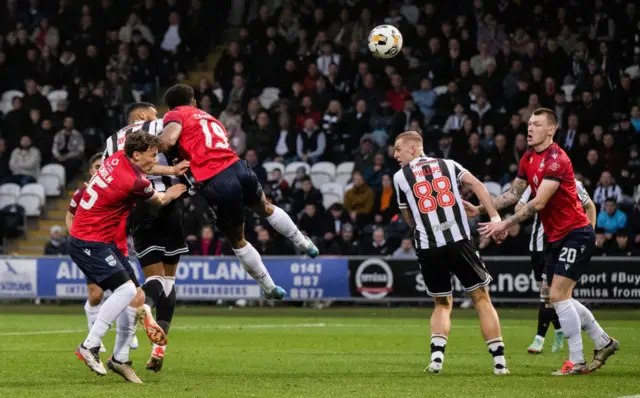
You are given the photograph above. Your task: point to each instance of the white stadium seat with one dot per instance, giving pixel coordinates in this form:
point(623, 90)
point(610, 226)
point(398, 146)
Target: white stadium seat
point(219, 93)
point(31, 204)
point(329, 198)
point(6, 200)
point(494, 188)
point(56, 170)
point(270, 166)
point(506, 187)
point(344, 172)
point(269, 96)
point(568, 91)
point(5, 103)
point(322, 173)
point(331, 193)
point(291, 168)
point(633, 71)
point(57, 96)
point(10, 189)
point(440, 90)
point(51, 184)
point(35, 190)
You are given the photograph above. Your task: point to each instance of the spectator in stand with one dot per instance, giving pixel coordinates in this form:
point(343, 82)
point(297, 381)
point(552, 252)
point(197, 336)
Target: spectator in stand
point(377, 246)
point(252, 159)
point(397, 94)
point(144, 72)
point(425, 98)
point(4, 160)
point(237, 137)
point(311, 142)
point(607, 189)
point(620, 246)
point(374, 175)
point(68, 148)
point(134, 25)
point(386, 202)
point(207, 245)
point(260, 136)
point(267, 246)
point(611, 219)
point(406, 251)
point(359, 200)
point(57, 244)
point(306, 194)
point(25, 162)
point(456, 120)
point(277, 187)
point(311, 222)
point(34, 100)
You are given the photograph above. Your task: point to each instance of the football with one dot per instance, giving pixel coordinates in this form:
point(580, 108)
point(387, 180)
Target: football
point(385, 41)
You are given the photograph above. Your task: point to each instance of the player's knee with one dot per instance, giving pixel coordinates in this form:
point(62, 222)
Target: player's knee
point(138, 297)
point(480, 297)
point(95, 295)
point(444, 303)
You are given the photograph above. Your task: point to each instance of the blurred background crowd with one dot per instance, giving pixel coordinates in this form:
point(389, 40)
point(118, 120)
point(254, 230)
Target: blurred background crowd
point(296, 83)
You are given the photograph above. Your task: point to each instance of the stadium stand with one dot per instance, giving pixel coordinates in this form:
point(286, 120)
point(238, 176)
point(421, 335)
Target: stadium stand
point(299, 89)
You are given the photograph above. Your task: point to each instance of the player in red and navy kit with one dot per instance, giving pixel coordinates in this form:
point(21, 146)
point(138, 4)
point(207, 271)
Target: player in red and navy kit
point(108, 198)
point(227, 183)
point(94, 292)
point(547, 169)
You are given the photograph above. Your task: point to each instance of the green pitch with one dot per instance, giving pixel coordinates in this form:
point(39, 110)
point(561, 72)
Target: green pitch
point(291, 352)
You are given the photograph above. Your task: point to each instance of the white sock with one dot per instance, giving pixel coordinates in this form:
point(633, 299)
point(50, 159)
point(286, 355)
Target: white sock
point(281, 222)
point(125, 331)
point(109, 311)
point(570, 321)
point(169, 281)
point(591, 326)
point(496, 349)
point(538, 337)
point(92, 313)
point(438, 345)
point(252, 263)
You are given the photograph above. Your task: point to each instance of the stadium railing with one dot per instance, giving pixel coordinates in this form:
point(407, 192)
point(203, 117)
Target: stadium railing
point(609, 280)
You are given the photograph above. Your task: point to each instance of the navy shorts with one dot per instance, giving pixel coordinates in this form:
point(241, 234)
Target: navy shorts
point(102, 263)
point(229, 192)
point(570, 256)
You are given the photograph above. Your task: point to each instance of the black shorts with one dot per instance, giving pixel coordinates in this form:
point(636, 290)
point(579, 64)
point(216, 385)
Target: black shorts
point(101, 262)
point(461, 259)
point(229, 192)
point(157, 232)
point(570, 255)
point(537, 265)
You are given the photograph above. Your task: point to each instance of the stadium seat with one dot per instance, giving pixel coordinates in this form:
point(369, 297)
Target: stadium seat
point(219, 94)
point(5, 103)
point(633, 71)
point(34, 189)
point(440, 90)
point(329, 198)
point(10, 189)
point(51, 184)
point(31, 205)
point(494, 188)
point(56, 96)
point(322, 173)
point(137, 95)
point(348, 187)
point(344, 172)
point(568, 91)
point(270, 166)
point(291, 168)
point(506, 187)
point(56, 170)
point(7, 200)
point(332, 189)
point(269, 96)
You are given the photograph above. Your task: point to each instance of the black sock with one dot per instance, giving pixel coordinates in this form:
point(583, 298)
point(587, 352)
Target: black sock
point(545, 315)
point(153, 290)
point(555, 320)
point(164, 310)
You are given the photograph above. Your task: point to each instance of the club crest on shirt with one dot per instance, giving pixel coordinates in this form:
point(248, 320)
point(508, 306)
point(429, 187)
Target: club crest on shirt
point(541, 164)
point(554, 166)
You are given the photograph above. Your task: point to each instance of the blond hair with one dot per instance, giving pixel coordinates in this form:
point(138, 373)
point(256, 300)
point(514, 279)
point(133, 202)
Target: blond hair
point(411, 136)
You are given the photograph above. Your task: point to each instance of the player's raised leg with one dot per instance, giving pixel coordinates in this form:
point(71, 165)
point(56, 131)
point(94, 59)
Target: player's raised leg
point(281, 222)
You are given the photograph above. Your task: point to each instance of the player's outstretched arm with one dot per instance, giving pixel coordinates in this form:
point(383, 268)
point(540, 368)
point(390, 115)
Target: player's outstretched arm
point(175, 170)
point(546, 190)
point(518, 186)
point(170, 134)
point(482, 194)
point(164, 198)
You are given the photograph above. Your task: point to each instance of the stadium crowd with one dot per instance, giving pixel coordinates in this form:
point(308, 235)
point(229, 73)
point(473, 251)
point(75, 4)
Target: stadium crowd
point(299, 84)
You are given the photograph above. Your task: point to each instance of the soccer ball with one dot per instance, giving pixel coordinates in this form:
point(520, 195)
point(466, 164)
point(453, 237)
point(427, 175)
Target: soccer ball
point(385, 41)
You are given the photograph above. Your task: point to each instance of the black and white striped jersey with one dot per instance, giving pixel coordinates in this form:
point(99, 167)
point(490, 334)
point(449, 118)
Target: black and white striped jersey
point(154, 127)
point(429, 187)
point(538, 238)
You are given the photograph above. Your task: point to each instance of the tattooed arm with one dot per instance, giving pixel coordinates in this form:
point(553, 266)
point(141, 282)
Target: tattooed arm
point(510, 197)
point(545, 192)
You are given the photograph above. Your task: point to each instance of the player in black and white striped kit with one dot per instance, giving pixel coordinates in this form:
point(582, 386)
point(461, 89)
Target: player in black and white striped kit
point(158, 235)
point(546, 313)
point(428, 191)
